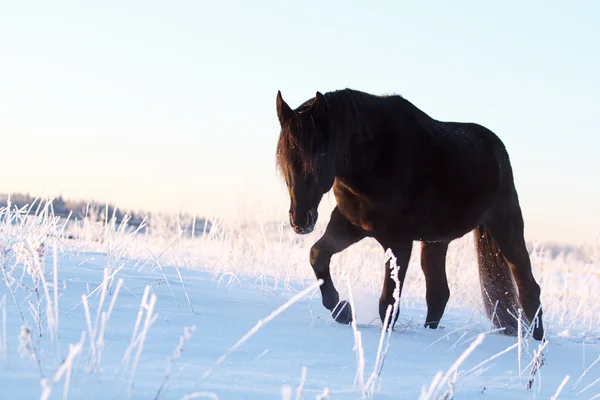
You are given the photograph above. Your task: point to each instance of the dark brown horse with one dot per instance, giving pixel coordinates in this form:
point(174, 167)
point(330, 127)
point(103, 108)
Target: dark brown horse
point(398, 176)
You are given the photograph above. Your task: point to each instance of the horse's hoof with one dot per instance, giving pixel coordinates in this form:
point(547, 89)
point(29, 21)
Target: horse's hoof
point(383, 307)
point(342, 313)
point(538, 333)
point(431, 325)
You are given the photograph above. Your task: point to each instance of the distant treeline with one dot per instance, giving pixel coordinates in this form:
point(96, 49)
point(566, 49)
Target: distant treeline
point(186, 222)
point(78, 209)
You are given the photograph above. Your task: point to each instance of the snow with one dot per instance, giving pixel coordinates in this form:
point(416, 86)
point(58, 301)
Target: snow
point(237, 314)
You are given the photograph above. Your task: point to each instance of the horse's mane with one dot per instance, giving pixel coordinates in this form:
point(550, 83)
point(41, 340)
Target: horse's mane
point(350, 121)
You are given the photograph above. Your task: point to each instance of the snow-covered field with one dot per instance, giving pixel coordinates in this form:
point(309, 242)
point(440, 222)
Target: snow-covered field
point(235, 314)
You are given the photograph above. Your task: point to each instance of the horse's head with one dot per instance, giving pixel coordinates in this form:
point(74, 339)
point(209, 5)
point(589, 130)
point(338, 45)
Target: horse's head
point(303, 159)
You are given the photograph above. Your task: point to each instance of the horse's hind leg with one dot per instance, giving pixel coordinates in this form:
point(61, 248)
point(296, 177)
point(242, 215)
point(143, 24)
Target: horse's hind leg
point(433, 263)
point(506, 227)
point(338, 235)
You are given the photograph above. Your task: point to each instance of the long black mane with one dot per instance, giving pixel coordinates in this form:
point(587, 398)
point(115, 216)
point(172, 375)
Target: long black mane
point(352, 117)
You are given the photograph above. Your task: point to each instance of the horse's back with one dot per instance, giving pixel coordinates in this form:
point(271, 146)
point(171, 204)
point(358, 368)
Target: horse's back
point(465, 153)
point(415, 175)
point(456, 181)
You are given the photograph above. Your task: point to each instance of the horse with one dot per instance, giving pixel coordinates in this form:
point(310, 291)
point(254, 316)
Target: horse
point(400, 176)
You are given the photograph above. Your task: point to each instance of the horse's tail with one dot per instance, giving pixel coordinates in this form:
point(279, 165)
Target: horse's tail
point(497, 286)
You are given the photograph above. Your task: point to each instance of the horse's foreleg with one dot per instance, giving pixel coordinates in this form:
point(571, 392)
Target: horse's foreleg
point(401, 249)
point(339, 234)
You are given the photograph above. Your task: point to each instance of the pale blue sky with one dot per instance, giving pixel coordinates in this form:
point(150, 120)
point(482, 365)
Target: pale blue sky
point(154, 104)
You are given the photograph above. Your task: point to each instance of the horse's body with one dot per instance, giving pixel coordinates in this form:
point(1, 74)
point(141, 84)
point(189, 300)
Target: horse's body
point(398, 176)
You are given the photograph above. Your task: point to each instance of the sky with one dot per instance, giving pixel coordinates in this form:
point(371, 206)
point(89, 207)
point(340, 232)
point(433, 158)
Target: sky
point(171, 105)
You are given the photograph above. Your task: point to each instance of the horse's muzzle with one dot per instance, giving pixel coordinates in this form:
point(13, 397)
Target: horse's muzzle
point(306, 226)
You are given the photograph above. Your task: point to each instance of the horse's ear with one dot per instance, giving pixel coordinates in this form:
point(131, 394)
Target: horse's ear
point(319, 106)
point(284, 112)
